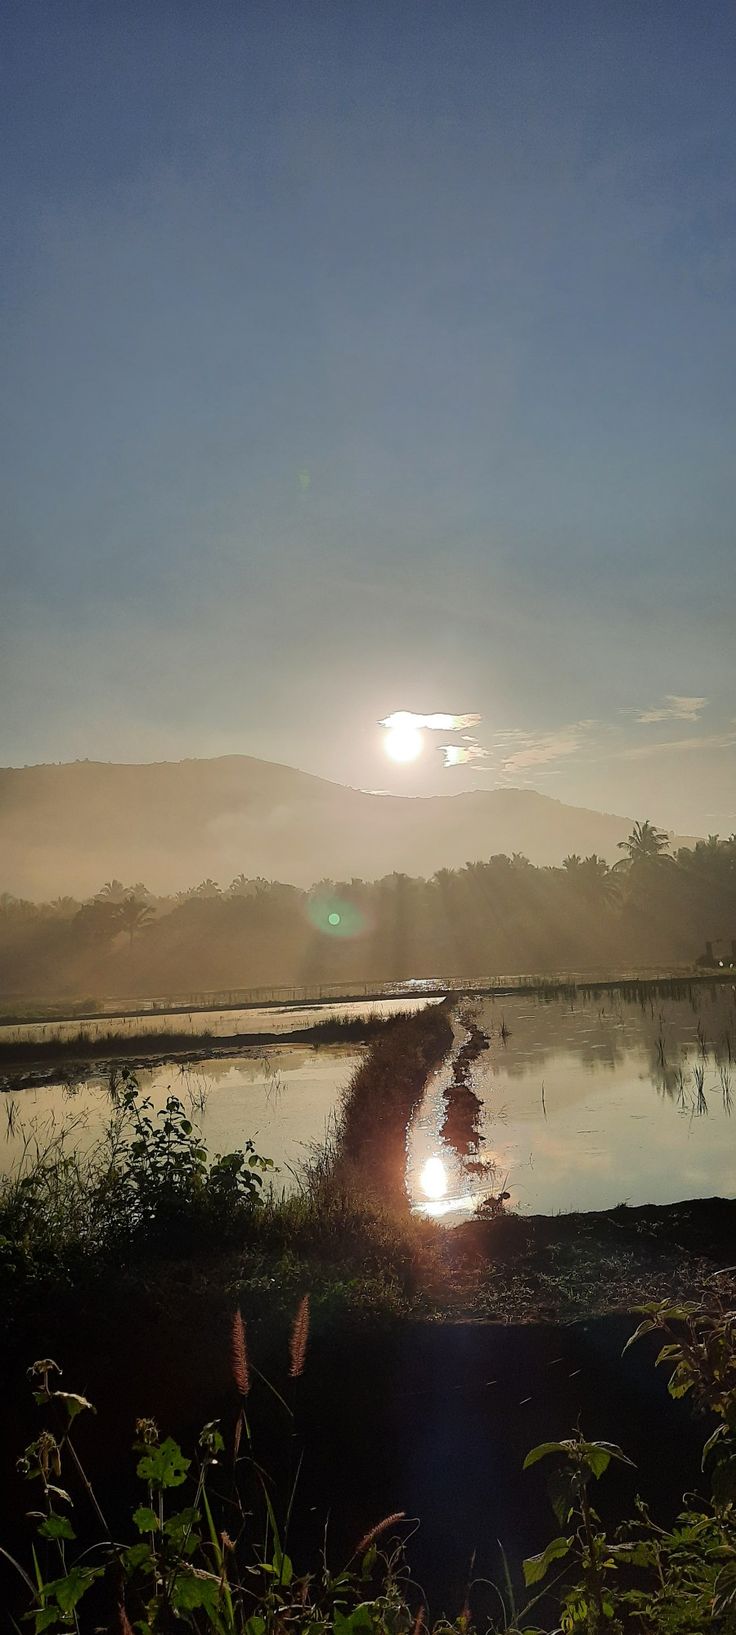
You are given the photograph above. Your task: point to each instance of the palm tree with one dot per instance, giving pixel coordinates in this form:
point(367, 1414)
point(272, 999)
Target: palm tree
point(241, 886)
point(133, 916)
point(64, 907)
point(645, 844)
point(113, 891)
point(598, 881)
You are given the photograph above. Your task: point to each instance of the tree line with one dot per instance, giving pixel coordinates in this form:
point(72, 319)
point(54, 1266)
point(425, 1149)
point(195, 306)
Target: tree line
point(491, 917)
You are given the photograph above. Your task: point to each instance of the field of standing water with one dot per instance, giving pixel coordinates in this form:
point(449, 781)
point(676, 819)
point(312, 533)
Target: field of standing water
point(219, 1024)
point(282, 1098)
point(582, 1103)
point(576, 1102)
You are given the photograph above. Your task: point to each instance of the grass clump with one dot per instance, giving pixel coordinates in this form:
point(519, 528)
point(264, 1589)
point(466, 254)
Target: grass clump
point(149, 1186)
point(379, 1101)
point(86, 1046)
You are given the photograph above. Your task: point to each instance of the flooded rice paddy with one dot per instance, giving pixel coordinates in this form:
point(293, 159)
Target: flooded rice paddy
point(560, 1103)
point(218, 1024)
point(283, 1099)
point(581, 1103)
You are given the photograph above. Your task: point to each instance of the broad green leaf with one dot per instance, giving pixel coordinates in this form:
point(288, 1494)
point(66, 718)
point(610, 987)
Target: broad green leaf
point(561, 1487)
point(598, 1456)
point(57, 1527)
point(364, 1616)
point(68, 1591)
point(639, 1554)
point(190, 1592)
point(164, 1466)
point(73, 1403)
point(537, 1567)
point(138, 1555)
point(181, 1529)
point(45, 1619)
point(145, 1519)
point(542, 1450)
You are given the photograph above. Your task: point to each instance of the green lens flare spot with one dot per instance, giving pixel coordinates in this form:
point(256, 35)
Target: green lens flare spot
point(335, 916)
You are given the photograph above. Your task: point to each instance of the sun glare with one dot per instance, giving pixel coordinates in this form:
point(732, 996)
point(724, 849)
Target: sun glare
point(433, 1179)
point(404, 743)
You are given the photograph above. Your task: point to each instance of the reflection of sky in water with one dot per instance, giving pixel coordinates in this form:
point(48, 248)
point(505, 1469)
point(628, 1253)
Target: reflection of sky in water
point(616, 1123)
point(280, 1098)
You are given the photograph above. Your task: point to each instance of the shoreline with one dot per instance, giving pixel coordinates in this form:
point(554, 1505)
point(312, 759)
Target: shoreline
point(419, 989)
point(34, 1063)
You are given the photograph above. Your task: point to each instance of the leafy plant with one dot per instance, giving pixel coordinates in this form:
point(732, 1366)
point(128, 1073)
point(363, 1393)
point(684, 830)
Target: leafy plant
point(590, 1603)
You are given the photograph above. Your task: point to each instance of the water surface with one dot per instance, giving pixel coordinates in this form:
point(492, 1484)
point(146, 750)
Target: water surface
point(282, 1098)
point(584, 1104)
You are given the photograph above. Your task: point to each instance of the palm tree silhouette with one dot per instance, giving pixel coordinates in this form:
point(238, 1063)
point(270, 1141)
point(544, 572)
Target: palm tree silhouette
point(113, 891)
point(645, 844)
point(133, 916)
point(598, 881)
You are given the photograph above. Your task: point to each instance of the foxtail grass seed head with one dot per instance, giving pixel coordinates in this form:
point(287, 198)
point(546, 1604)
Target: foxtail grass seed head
point(239, 1355)
point(380, 1528)
point(299, 1338)
point(123, 1626)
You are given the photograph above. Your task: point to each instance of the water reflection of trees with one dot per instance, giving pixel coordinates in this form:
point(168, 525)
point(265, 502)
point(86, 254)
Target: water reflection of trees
point(600, 1032)
point(460, 1126)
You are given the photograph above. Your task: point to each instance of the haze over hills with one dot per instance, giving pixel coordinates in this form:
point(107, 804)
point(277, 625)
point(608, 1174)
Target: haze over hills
point(66, 828)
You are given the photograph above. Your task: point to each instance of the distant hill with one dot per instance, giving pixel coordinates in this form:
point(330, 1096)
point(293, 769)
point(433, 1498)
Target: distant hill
point(65, 829)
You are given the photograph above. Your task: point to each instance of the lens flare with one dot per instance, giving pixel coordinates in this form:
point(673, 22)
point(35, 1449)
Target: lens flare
point(433, 1179)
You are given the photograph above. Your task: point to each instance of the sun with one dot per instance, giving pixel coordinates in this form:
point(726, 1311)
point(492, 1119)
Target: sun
point(404, 743)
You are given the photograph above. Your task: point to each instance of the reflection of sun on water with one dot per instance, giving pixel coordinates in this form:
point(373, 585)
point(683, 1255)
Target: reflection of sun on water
point(433, 1179)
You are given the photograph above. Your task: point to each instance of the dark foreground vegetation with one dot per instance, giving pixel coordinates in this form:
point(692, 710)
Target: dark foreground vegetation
point(207, 1542)
point(496, 916)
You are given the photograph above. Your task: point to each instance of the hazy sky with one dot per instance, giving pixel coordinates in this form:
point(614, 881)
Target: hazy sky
point(369, 356)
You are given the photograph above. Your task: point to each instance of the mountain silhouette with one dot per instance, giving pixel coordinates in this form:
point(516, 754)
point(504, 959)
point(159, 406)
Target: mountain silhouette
point(66, 828)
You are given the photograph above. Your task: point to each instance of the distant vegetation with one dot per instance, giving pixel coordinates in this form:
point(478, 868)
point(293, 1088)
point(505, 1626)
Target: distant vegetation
point(490, 917)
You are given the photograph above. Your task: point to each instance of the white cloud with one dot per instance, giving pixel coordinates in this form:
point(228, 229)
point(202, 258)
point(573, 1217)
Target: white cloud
point(674, 708)
point(520, 750)
point(713, 740)
point(432, 723)
point(460, 754)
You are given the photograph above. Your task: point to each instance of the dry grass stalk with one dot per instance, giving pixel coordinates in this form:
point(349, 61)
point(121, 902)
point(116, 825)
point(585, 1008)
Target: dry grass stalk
point(239, 1355)
point(418, 1624)
point(299, 1338)
point(380, 1528)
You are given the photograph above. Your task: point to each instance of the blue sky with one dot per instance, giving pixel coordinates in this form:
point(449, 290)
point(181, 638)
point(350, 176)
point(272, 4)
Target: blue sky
point(362, 357)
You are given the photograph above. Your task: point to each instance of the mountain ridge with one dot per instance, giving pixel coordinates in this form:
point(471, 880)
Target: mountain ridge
point(67, 826)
